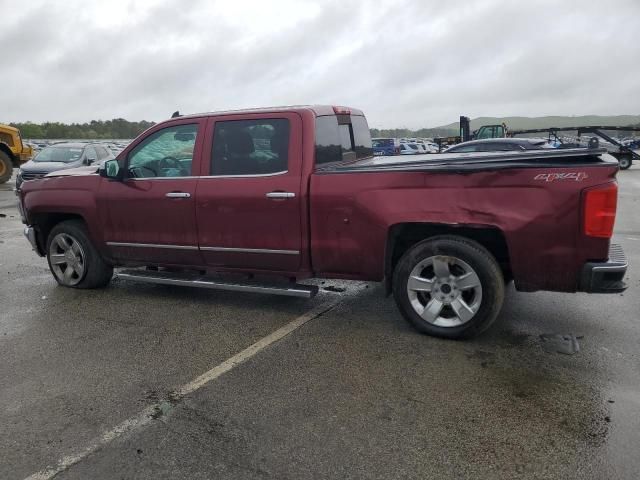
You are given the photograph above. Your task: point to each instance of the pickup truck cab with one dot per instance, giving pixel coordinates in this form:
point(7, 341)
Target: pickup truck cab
point(220, 200)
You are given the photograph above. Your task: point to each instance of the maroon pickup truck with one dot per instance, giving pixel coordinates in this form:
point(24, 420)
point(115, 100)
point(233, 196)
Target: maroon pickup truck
point(255, 200)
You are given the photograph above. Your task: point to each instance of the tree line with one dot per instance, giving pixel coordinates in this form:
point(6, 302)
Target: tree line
point(121, 128)
point(406, 133)
point(95, 129)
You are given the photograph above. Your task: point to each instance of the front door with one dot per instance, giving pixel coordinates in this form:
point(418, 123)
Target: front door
point(151, 214)
point(248, 204)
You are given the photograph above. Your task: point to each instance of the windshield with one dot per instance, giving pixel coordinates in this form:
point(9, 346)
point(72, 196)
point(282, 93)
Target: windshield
point(59, 154)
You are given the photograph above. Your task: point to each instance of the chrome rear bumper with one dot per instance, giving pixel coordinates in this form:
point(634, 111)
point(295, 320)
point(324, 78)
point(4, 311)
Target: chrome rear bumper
point(605, 277)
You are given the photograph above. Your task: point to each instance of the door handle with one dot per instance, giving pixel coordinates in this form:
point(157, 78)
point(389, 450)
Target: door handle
point(280, 195)
point(178, 195)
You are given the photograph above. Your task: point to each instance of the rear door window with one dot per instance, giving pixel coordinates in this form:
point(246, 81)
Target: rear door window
point(250, 147)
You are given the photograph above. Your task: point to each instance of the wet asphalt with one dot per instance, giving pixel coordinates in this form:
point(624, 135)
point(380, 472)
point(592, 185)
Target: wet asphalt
point(353, 393)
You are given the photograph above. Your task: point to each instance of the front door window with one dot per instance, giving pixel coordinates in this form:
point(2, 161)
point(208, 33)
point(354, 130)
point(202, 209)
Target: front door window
point(166, 153)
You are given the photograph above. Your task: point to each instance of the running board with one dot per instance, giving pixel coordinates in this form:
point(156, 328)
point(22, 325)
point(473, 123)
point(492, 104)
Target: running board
point(201, 281)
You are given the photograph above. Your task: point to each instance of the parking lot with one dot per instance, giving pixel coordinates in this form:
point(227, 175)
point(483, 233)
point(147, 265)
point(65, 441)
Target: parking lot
point(149, 381)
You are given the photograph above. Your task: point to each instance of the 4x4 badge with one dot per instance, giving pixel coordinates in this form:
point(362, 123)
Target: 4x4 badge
point(551, 177)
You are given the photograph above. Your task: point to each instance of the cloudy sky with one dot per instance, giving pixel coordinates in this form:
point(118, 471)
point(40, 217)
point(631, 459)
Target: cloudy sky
point(406, 63)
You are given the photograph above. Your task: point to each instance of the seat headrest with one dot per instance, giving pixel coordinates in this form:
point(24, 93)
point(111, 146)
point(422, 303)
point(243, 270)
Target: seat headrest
point(239, 142)
point(279, 144)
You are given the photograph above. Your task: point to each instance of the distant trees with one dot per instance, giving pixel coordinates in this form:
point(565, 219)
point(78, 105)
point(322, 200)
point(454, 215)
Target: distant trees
point(121, 128)
point(406, 133)
point(96, 129)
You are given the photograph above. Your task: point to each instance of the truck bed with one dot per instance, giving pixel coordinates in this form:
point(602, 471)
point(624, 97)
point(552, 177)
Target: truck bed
point(531, 200)
point(479, 161)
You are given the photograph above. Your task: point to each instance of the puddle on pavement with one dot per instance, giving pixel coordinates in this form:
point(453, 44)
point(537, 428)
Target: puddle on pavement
point(543, 390)
point(568, 406)
point(559, 343)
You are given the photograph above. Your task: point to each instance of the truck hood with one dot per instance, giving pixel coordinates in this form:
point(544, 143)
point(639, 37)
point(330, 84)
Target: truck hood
point(74, 172)
point(32, 166)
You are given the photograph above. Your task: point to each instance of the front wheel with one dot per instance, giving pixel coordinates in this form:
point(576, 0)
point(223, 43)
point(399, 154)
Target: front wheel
point(73, 259)
point(449, 287)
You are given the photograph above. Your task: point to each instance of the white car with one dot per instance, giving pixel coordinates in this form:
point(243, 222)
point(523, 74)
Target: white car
point(410, 149)
point(432, 147)
point(422, 147)
point(429, 147)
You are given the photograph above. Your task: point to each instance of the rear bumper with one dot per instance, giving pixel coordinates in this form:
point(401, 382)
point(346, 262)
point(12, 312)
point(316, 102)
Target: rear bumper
point(605, 277)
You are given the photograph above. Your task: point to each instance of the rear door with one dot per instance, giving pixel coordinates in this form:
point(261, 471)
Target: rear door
point(248, 205)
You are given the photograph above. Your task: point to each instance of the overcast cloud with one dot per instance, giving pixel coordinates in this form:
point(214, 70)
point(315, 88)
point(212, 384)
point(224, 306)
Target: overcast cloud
point(405, 63)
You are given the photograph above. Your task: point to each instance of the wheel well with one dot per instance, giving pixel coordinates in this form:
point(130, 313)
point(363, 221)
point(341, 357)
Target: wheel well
point(403, 236)
point(5, 148)
point(44, 223)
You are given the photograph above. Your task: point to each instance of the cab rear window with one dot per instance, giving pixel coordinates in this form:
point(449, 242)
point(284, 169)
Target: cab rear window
point(341, 138)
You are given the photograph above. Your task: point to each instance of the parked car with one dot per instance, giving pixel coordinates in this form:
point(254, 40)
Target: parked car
point(295, 193)
point(498, 145)
point(383, 146)
point(410, 149)
point(430, 147)
point(62, 156)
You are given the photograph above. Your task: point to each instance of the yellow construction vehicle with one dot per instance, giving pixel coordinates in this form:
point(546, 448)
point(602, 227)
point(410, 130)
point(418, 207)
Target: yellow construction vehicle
point(13, 152)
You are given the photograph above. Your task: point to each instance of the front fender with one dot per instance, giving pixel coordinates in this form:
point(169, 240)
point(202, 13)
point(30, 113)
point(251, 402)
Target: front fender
point(47, 201)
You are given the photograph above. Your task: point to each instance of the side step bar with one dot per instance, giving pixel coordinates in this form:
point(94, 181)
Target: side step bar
point(200, 281)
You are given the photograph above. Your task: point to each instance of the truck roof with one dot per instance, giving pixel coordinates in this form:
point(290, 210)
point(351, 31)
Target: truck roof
point(318, 110)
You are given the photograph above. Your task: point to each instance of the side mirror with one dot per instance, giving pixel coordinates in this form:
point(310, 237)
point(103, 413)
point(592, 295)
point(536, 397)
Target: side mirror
point(111, 169)
point(90, 160)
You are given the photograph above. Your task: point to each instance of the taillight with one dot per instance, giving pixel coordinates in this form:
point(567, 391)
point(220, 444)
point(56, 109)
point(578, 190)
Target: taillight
point(600, 210)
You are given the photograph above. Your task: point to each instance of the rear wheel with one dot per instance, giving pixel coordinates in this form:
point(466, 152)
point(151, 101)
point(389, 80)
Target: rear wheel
point(449, 287)
point(625, 162)
point(73, 259)
point(6, 167)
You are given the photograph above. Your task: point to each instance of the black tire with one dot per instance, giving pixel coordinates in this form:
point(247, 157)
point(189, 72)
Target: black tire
point(625, 162)
point(96, 273)
point(6, 167)
point(455, 252)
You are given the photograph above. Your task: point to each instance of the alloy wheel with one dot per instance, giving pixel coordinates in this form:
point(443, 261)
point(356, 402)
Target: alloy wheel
point(67, 259)
point(445, 291)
